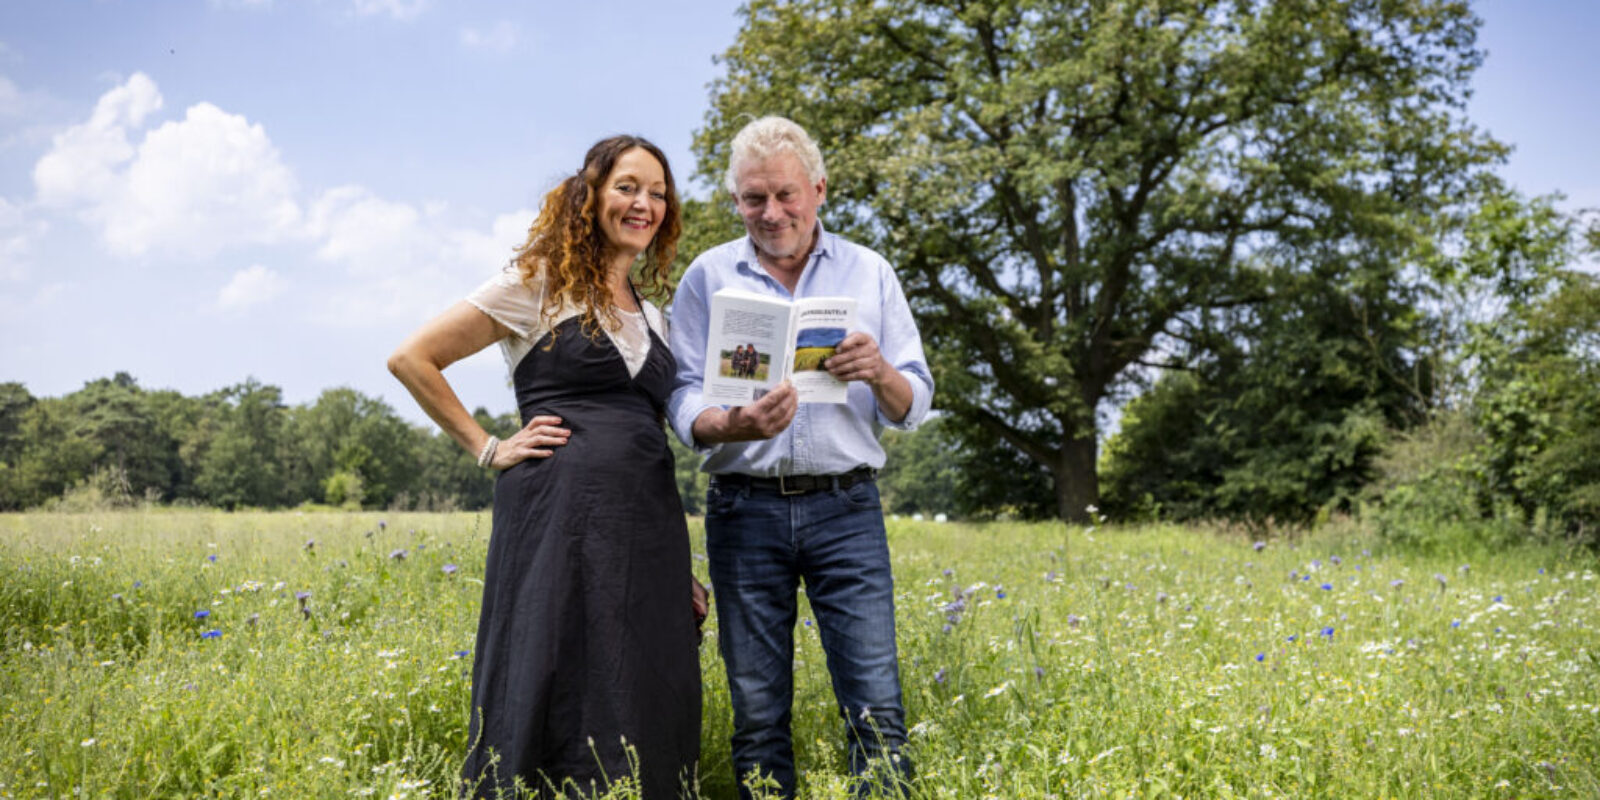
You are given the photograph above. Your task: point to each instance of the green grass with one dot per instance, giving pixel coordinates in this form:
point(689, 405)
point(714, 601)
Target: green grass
point(1146, 663)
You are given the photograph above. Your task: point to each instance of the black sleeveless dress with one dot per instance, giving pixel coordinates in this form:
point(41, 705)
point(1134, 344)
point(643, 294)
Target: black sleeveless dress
point(587, 636)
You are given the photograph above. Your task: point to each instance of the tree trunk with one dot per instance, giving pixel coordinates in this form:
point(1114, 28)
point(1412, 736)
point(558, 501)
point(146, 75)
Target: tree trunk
point(1077, 485)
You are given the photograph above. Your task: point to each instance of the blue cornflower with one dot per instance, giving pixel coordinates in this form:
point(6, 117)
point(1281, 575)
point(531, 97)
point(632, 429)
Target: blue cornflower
point(202, 613)
point(211, 634)
point(1499, 597)
point(212, 558)
point(462, 653)
point(137, 584)
point(1455, 623)
point(1316, 563)
point(1261, 656)
point(1292, 637)
point(1328, 632)
point(1327, 587)
point(999, 592)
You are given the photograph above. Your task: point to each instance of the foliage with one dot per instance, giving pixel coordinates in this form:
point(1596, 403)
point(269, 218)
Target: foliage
point(1280, 424)
point(171, 654)
point(1538, 407)
point(114, 444)
point(1071, 190)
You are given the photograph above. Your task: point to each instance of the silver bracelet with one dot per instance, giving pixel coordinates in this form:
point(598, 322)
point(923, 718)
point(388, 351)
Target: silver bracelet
point(486, 455)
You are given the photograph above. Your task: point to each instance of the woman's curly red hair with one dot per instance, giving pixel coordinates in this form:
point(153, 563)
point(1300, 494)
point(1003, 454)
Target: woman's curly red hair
point(566, 243)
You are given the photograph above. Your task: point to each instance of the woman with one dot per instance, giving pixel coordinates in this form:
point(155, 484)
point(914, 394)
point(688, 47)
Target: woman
point(584, 639)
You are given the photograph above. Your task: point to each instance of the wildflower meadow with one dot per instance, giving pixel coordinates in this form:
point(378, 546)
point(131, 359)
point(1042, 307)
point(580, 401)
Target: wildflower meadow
point(322, 655)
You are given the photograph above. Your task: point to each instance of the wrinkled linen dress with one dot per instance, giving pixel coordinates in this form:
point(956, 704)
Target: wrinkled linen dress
point(587, 635)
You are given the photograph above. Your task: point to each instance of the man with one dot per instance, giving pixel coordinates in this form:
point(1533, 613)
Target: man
point(792, 496)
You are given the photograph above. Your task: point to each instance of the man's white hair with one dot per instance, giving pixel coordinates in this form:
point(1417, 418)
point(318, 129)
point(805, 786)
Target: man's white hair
point(770, 136)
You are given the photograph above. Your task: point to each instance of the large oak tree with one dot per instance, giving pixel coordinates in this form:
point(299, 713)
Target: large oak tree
point(1076, 191)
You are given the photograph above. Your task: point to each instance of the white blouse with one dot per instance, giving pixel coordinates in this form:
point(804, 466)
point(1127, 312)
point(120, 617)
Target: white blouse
point(515, 304)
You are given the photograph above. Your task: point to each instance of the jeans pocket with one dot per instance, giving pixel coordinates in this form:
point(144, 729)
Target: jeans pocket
point(721, 500)
point(863, 496)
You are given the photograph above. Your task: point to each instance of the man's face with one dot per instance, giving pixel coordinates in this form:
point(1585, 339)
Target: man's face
point(779, 204)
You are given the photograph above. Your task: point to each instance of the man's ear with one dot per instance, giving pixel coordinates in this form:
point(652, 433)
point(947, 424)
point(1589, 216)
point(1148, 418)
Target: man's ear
point(822, 191)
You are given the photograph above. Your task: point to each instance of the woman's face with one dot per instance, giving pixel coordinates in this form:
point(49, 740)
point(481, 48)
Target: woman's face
point(633, 201)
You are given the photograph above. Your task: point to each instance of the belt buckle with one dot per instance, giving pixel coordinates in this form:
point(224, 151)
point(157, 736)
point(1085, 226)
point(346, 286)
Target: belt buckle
point(783, 488)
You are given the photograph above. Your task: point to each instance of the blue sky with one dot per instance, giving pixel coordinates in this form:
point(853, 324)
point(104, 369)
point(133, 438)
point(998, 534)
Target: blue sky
point(200, 192)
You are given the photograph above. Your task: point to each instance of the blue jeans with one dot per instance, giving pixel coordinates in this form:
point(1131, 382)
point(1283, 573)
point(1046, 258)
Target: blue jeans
point(761, 545)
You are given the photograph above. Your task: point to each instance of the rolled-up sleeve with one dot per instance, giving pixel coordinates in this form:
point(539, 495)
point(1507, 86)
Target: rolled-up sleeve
point(690, 317)
point(901, 346)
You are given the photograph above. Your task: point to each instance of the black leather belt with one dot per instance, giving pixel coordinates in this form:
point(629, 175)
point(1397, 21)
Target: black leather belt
point(798, 484)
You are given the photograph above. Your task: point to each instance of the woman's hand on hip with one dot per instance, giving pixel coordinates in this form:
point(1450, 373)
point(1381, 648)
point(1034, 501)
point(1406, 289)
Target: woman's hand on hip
point(535, 440)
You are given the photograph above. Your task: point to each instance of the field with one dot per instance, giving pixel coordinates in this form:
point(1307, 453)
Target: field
point(202, 654)
point(811, 358)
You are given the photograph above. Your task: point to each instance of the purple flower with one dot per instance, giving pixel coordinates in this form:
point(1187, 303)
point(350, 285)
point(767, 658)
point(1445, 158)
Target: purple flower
point(398, 555)
point(1038, 672)
point(1073, 620)
point(1396, 583)
point(948, 572)
point(939, 677)
point(1316, 564)
point(211, 634)
point(202, 613)
point(449, 569)
point(212, 558)
point(311, 545)
point(382, 524)
point(1259, 546)
point(302, 597)
point(1050, 577)
point(1161, 597)
point(1336, 560)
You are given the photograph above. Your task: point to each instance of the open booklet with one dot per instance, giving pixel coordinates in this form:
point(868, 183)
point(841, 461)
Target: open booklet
point(755, 341)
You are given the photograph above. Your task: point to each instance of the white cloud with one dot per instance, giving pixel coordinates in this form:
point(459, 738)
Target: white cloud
point(193, 187)
point(200, 185)
point(500, 38)
point(81, 165)
point(409, 263)
point(397, 9)
point(251, 286)
point(17, 236)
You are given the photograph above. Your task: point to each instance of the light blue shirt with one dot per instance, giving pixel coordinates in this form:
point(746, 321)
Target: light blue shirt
point(825, 438)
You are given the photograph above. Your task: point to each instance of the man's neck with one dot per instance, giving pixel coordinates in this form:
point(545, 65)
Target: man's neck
point(787, 271)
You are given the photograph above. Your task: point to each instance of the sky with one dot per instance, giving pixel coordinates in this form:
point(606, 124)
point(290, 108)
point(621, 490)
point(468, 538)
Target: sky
point(197, 193)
